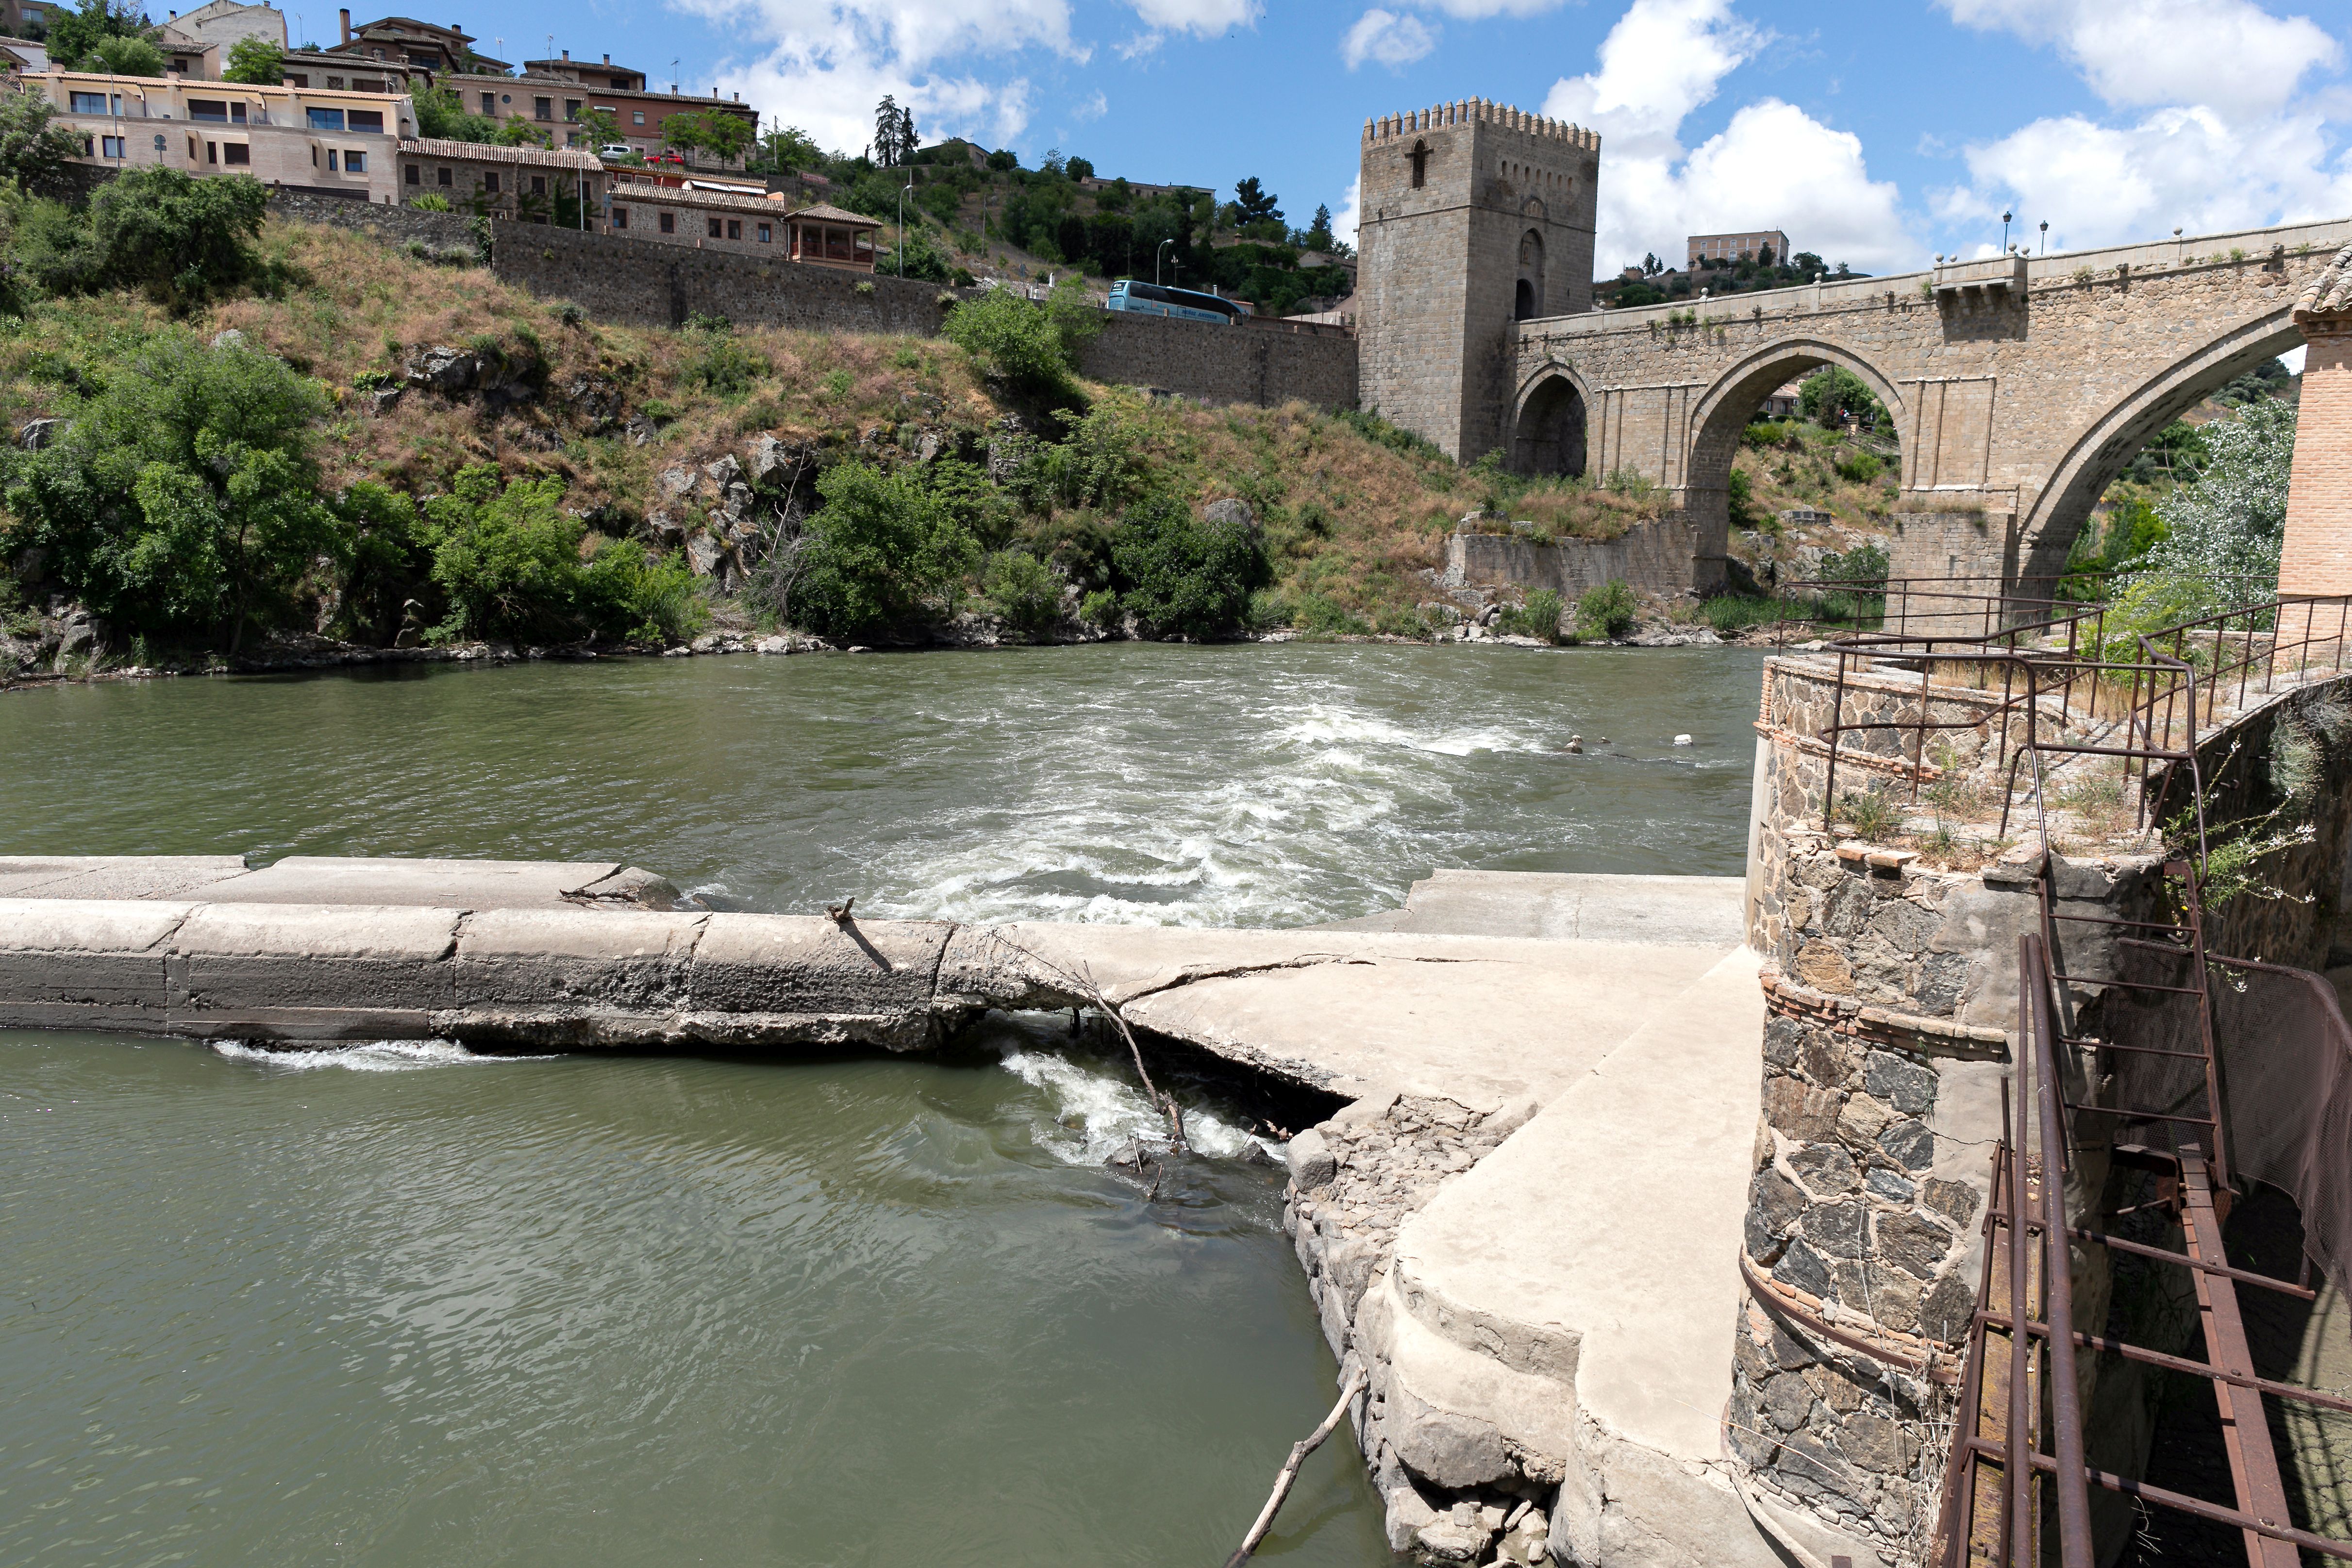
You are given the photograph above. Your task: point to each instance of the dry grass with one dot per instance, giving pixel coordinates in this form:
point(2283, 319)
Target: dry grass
point(1351, 520)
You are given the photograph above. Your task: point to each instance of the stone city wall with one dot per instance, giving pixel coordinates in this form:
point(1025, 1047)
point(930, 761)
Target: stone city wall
point(643, 283)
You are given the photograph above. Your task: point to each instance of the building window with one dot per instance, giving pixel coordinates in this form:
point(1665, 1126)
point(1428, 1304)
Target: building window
point(331, 159)
point(303, 81)
point(210, 110)
point(636, 117)
point(669, 223)
point(179, 64)
point(238, 153)
point(620, 217)
point(543, 108)
point(325, 119)
point(712, 224)
point(415, 175)
point(489, 103)
point(363, 118)
point(354, 161)
point(110, 147)
point(1420, 163)
point(734, 229)
point(539, 184)
point(441, 177)
point(334, 84)
point(491, 181)
point(95, 103)
point(765, 235)
point(571, 109)
point(212, 153)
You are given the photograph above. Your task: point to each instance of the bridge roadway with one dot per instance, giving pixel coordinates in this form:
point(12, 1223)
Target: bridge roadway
point(1571, 1294)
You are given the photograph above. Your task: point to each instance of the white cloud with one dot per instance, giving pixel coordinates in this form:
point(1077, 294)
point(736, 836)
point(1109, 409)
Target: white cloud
point(1393, 40)
point(1094, 108)
point(2186, 167)
point(1345, 222)
point(1203, 18)
point(828, 62)
point(2228, 55)
point(1773, 167)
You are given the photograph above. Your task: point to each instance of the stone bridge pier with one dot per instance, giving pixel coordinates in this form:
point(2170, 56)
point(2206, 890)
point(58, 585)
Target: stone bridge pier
point(2018, 388)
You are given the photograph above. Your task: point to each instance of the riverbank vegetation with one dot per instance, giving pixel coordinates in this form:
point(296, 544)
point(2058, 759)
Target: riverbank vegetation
point(298, 432)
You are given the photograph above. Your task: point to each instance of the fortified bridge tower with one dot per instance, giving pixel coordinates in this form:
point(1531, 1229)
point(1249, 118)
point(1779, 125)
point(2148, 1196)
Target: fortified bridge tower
point(1475, 217)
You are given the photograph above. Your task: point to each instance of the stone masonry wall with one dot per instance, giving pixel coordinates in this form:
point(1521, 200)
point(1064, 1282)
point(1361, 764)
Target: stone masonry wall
point(1891, 995)
point(1659, 556)
point(391, 224)
point(643, 283)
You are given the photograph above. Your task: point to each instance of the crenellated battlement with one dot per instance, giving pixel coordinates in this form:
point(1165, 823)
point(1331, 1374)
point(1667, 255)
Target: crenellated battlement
point(1478, 110)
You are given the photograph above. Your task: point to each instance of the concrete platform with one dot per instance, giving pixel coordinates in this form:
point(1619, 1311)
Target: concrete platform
point(381, 882)
point(1678, 911)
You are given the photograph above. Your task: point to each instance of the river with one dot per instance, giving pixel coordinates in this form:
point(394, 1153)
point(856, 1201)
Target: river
point(406, 1306)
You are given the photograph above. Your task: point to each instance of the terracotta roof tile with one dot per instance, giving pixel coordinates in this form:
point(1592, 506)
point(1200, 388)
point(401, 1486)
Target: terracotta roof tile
point(493, 152)
point(2331, 292)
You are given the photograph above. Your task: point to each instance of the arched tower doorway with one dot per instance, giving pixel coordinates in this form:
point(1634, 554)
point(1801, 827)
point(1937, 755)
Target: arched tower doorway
point(1548, 438)
point(1528, 300)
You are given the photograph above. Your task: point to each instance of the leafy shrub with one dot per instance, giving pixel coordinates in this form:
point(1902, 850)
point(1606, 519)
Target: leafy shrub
point(34, 151)
point(647, 599)
point(430, 202)
point(1023, 589)
point(1605, 611)
point(1319, 614)
point(1869, 813)
point(1833, 393)
point(1729, 613)
point(180, 499)
point(1538, 617)
point(1098, 464)
point(1183, 576)
point(1860, 467)
point(1099, 607)
point(719, 364)
point(1741, 502)
point(1015, 342)
point(183, 239)
point(878, 547)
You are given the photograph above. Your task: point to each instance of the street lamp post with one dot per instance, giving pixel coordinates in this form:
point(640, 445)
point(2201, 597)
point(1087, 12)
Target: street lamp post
point(902, 225)
point(2005, 216)
point(1155, 259)
point(2046, 236)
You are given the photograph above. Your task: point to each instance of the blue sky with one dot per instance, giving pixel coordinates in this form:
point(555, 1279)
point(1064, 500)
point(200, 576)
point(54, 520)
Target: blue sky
point(1876, 135)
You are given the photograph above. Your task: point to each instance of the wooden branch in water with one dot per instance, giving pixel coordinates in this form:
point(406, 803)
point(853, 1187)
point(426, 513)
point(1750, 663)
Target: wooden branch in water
point(1289, 1472)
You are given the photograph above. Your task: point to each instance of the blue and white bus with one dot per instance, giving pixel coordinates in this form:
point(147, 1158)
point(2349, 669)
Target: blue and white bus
point(1157, 300)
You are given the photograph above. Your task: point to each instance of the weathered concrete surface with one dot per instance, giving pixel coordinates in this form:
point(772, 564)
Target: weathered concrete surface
point(1576, 1291)
point(333, 879)
point(1674, 911)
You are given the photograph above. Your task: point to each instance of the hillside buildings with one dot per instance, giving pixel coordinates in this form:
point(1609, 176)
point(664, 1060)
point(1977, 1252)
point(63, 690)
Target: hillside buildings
point(1723, 249)
point(328, 142)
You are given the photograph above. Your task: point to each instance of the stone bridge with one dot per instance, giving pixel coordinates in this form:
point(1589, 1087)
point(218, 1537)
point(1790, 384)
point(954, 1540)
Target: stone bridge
point(2019, 387)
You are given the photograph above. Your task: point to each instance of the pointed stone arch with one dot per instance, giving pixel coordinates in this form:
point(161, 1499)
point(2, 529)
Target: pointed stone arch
point(1549, 414)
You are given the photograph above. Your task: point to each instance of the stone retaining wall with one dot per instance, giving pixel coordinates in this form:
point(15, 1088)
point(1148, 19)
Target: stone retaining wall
point(1657, 556)
point(648, 284)
point(444, 231)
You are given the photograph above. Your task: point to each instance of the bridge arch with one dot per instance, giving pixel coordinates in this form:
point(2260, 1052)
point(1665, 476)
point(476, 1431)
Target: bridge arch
point(1550, 421)
point(2056, 516)
point(1723, 411)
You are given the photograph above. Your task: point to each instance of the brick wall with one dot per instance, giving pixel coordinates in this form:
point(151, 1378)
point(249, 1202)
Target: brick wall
point(2316, 557)
point(648, 284)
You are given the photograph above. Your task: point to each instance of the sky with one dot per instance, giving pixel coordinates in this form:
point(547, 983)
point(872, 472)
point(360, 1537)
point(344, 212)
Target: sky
point(1878, 135)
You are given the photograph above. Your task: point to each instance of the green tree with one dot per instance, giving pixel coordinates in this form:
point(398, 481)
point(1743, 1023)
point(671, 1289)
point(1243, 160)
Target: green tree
point(181, 238)
point(521, 133)
point(1023, 589)
point(1253, 201)
point(441, 113)
point(74, 34)
point(789, 149)
point(123, 56)
point(1318, 231)
point(506, 559)
point(1183, 577)
point(2226, 527)
point(599, 127)
point(1832, 394)
point(875, 552)
point(723, 135)
point(1078, 168)
point(1606, 611)
point(256, 61)
point(182, 500)
point(34, 151)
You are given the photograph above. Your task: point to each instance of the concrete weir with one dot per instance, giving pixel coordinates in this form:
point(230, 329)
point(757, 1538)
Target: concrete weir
point(1524, 1227)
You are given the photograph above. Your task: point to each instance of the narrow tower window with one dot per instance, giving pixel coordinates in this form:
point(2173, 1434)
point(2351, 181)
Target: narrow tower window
point(1420, 163)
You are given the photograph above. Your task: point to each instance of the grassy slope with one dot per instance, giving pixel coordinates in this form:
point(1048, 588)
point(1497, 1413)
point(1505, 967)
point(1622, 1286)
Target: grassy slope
point(1347, 518)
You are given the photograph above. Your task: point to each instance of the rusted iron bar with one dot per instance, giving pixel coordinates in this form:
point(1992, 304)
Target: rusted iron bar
point(2017, 1512)
point(2107, 1344)
point(2246, 1432)
point(2181, 1503)
point(2057, 1271)
point(2132, 1113)
point(2243, 1275)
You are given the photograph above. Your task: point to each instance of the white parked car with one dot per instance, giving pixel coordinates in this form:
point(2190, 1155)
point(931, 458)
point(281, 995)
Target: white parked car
point(615, 150)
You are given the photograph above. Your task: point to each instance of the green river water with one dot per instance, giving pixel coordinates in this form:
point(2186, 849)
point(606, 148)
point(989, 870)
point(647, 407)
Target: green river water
point(401, 1305)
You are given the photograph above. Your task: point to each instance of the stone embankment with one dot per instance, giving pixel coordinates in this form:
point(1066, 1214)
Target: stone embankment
point(1523, 1227)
